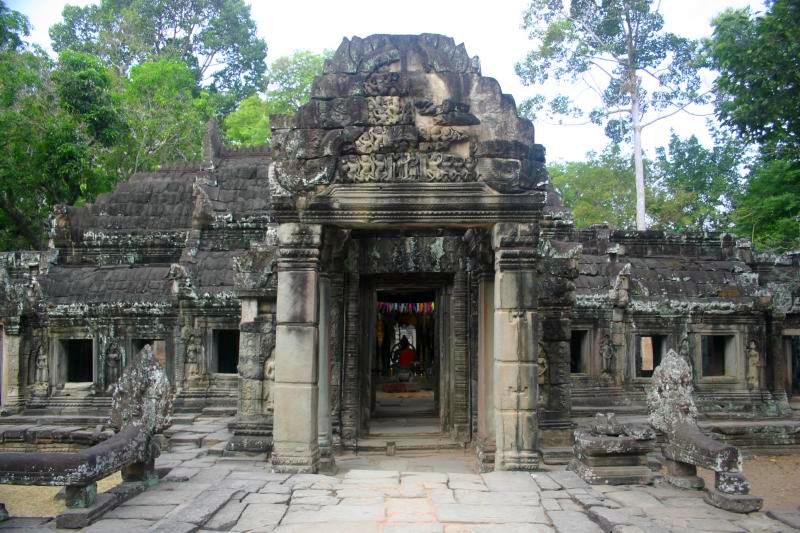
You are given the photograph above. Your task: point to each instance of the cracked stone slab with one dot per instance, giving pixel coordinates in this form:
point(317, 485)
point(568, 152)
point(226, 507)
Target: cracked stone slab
point(477, 497)
point(337, 513)
point(198, 510)
point(116, 525)
point(568, 480)
point(340, 527)
point(790, 517)
point(573, 521)
point(545, 482)
point(634, 499)
point(256, 497)
point(510, 482)
point(490, 514)
point(498, 528)
point(259, 516)
point(226, 517)
point(141, 512)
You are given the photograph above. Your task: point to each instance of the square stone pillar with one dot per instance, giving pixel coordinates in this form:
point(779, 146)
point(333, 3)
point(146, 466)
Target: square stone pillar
point(324, 415)
point(11, 386)
point(296, 447)
point(515, 347)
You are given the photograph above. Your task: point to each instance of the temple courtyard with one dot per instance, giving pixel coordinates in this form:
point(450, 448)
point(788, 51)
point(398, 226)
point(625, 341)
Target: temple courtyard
point(415, 491)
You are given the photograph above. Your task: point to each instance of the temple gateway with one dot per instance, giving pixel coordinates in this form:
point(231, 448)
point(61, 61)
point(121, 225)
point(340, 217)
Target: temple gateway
point(395, 263)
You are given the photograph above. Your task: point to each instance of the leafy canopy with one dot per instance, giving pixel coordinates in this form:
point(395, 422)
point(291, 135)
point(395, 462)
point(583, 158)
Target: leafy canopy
point(216, 38)
point(693, 187)
point(289, 86)
point(598, 190)
point(758, 88)
point(57, 123)
point(758, 95)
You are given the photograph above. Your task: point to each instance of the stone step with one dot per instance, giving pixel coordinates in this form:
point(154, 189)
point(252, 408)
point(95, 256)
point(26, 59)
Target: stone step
point(184, 418)
point(409, 443)
point(192, 439)
point(557, 456)
point(220, 411)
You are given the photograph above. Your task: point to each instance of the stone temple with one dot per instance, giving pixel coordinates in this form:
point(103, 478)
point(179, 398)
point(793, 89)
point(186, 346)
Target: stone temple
point(407, 198)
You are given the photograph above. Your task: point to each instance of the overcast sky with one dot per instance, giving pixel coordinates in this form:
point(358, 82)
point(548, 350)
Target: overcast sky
point(490, 29)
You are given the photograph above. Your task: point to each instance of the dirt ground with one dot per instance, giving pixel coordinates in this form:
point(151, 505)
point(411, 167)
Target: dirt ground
point(42, 501)
point(774, 478)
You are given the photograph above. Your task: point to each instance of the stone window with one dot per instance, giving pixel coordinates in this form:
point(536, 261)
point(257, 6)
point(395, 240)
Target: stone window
point(717, 355)
point(226, 350)
point(579, 352)
point(79, 360)
point(649, 351)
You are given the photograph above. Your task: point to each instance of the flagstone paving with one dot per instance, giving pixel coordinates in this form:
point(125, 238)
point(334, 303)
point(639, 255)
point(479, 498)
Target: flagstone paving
point(208, 492)
point(241, 495)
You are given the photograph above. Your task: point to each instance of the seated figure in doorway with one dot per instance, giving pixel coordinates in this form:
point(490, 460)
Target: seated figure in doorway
point(408, 355)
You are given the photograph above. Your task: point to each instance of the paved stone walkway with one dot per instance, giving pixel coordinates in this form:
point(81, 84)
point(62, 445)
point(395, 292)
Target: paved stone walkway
point(205, 491)
point(240, 495)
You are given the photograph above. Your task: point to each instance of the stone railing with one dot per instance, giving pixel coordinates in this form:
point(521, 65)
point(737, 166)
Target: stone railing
point(141, 407)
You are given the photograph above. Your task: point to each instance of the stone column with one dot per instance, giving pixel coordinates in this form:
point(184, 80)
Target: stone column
point(12, 343)
point(486, 440)
point(515, 347)
point(324, 415)
point(296, 446)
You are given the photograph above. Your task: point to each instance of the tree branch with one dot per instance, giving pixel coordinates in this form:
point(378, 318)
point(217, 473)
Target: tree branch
point(675, 112)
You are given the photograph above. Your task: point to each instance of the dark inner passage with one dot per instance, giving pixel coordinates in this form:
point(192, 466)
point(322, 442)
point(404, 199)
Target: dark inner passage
point(226, 342)
point(79, 360)
point(405, 366)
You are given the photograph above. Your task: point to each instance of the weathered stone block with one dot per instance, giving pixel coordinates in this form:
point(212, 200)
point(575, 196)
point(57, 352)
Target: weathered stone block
point(735, 503)
point(297, 297)
point(296, 413)
point(516, 290)
point(515, 336)
point(295, 350)
point(515, 386)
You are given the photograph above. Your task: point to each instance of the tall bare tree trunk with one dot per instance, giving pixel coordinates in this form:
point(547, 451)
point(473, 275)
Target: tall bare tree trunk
point(638, 166)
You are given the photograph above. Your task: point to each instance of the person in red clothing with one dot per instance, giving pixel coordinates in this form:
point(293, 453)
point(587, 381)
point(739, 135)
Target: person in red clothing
point(407, 353)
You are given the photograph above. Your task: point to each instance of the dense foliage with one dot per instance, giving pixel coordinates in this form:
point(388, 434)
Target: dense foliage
point(216, 38)
point(289, 81)
point(758, 88)
point(598, 190)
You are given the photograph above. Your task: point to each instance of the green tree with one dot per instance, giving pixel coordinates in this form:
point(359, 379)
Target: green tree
point(289, 86)
point(166, 116)
point(55, 139)
point(598, 190)
point(769, 210)
point(13, 27)
point(248, 125)
point(758, 95)
point(693, 187)
point(638, 72)
point(758, 87)
point(216, 38)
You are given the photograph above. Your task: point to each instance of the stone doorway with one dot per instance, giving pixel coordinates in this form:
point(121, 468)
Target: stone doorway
point(405, 363)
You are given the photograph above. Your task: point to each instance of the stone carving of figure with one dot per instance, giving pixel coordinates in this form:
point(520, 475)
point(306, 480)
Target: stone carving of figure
point(754, 366)
point(113, 364)
point(194, 350)
point(608, 352)
point(683, 351)
point(542, 375)
point(42, 375)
